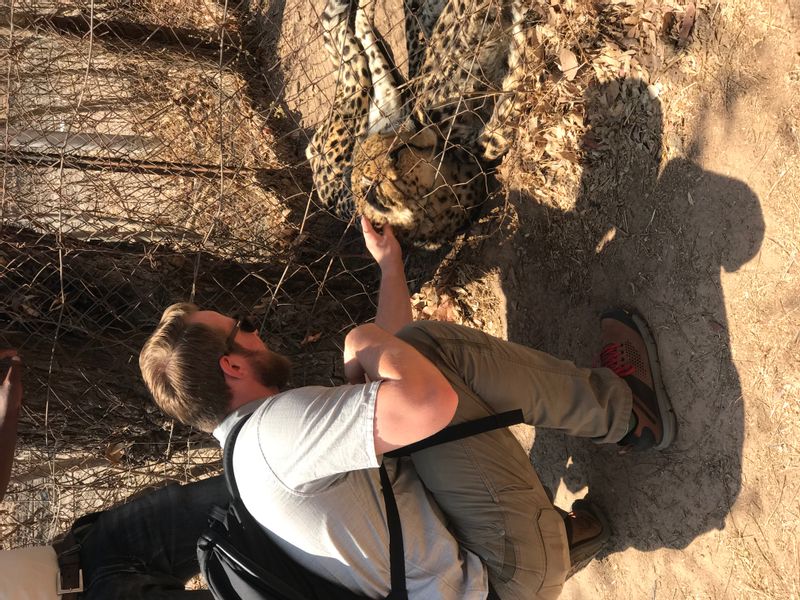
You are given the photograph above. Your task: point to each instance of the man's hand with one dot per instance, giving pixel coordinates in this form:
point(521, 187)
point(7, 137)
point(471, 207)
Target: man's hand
point(394, 301)
point(10, 402)
point(383, 247)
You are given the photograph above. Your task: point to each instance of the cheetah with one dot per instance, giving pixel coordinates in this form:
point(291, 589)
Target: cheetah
point(418, 153)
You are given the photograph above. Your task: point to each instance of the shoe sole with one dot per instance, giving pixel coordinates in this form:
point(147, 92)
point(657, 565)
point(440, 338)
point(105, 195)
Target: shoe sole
point(669, 424)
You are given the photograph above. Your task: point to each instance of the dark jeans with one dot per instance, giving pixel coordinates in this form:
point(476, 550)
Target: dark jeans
point(147, 548)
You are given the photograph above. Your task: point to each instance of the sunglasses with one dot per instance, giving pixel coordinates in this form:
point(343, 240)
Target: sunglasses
point(242, 324)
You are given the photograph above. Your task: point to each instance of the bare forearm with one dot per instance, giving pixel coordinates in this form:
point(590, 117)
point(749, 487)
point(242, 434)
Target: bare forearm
point(394, 300)
point(414, 399)
point(383, 356)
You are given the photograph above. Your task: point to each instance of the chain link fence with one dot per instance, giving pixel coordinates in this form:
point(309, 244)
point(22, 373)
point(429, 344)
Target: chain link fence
point(153, 152)
point(148, 157)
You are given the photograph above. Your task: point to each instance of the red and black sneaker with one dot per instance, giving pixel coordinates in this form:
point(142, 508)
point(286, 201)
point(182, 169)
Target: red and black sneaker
point(629, 350)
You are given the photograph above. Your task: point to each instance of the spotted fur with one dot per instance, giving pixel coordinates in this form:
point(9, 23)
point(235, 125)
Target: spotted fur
point(416, 153)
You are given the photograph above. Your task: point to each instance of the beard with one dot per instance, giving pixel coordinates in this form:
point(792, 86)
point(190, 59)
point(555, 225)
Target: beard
point(271, 369)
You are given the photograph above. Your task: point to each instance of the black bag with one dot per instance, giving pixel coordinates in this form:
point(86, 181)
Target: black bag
point(241, 562)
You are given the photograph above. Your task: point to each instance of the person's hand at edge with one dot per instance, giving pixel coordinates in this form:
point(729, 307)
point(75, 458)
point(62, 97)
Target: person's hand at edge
point(11, 386)
point(10, 403)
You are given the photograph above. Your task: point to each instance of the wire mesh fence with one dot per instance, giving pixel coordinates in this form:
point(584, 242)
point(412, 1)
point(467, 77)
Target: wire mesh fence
point(153, 152)
point(142, 164)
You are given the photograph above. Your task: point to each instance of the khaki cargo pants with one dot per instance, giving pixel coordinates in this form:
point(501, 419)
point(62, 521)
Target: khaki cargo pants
point(486, 484)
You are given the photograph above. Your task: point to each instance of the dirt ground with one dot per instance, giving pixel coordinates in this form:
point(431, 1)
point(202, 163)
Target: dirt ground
point(681, 201)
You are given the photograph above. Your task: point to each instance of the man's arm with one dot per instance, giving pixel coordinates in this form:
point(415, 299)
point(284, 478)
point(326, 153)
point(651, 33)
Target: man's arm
point(414, 399)
point(394, 301)
point(10, 402)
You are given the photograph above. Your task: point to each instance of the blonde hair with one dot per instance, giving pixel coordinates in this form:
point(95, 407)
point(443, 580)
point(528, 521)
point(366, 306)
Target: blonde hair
point(180, 366)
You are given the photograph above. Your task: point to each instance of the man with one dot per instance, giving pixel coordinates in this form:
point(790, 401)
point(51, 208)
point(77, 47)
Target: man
point(306, 461)
point(145, 549)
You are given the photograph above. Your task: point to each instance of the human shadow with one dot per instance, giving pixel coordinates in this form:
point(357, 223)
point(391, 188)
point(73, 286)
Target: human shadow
point(657, 242)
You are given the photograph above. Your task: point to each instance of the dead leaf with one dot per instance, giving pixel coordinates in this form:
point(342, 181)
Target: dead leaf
point(568, 156)
point(300, 239)
point(667, 23)
point(612, 92)
point(568, 63)
point(311, 338)
point(607, 238)
point(116, 451)
point(447, 310)
point(590, 142)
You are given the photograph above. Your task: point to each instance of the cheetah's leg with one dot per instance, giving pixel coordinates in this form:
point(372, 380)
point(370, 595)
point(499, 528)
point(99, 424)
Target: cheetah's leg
point(420, 17)
point(416, 38)
point(524, 54)
point(387, 109)
point(331, 149)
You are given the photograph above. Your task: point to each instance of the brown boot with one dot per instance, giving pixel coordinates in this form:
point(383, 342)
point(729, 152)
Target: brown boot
point(587, 533)
point(629, 350)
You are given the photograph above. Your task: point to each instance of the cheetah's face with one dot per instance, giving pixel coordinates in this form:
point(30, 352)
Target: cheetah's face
point(393, 174)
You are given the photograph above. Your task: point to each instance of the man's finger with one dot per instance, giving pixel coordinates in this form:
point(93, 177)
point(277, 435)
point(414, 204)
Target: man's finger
point(367, 226)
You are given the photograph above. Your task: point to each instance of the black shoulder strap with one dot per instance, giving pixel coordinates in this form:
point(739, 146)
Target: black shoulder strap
point(462, 430)
point(397, 559)
point(397, 562)
point(227, 458)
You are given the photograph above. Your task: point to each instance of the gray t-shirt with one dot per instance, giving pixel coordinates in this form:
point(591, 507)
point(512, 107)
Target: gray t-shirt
point(306, 468)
